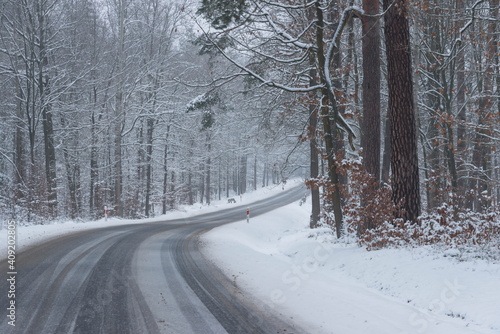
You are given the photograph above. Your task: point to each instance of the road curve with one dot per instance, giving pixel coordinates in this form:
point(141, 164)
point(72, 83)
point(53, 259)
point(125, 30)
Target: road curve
point(144, 278)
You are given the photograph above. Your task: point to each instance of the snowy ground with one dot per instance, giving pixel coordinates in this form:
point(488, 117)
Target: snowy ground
point(329, 287)
point(334, 288)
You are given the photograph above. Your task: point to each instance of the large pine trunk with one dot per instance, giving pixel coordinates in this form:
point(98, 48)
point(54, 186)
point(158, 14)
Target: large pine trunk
point(404, 157)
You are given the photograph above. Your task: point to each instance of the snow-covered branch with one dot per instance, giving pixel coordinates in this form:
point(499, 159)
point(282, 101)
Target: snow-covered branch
point(253, 74)
point(287, 38)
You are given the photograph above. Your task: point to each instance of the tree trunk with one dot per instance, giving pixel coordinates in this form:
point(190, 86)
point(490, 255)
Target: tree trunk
point(208, 170)
point(314, 168)
point(190, 188)
point(45, 103)
point(496, 13)
point(370, 125)
point(94, 167)
point(449, 148)
point(149, 154)
point(119, 114)
point(255, 172)
point(202, 182)
point(338, 136)
point(404, 157)
point(243, 174)
point(165, 174)
point(314, 152)
point(172, 191)
point(18, 142)
point(219, 181)
point(461, 128)
point(386, 157)
point(329, 126)
point(264, 174)
point(72, 176)
point(482, 149)
point(227, 179)
point(118, 169)
point(50, 152)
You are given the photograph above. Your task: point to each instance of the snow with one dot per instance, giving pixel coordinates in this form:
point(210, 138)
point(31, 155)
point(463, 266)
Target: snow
point(327, 286)
point(331, 287)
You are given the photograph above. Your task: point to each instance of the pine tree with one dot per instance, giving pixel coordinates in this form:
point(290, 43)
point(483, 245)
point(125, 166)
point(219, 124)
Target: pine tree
point(404, 157)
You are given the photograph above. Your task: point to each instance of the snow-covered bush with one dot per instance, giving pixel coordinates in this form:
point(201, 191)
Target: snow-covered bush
point(369, 214)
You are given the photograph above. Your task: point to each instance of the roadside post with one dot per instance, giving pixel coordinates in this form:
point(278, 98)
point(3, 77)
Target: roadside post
point(248, 215)
point(105, 212)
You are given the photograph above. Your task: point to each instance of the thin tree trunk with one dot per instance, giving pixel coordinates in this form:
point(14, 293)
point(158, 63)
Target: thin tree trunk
point(208, 170)
point(313, 148)
point(165, 174)
point(449, 148)
point(386, 157)
point(329, 126)
point(227, 179)
point(149, 154)
point(202, 182)
point(94, 167)
point(255, 172)
point(219, 179)
point(190, 188)
point(18, 142)
point(264, 174)
point(461, 128)
point(172, 191)
point(119, 114)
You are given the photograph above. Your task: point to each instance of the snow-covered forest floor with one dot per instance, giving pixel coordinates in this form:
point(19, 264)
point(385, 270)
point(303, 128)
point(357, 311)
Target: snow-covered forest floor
point(328, 286)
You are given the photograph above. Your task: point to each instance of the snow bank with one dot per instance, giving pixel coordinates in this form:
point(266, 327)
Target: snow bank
point(330, 287)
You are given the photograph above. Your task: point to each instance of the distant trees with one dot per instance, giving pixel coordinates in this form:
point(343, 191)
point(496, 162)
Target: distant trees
point(29, 40)
point(127, 104)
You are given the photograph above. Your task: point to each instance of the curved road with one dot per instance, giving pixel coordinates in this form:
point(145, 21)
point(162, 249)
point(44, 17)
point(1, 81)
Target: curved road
point(144, 278)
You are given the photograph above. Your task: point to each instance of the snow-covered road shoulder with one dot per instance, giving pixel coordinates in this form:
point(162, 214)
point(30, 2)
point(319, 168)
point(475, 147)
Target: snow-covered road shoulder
point(329, 287)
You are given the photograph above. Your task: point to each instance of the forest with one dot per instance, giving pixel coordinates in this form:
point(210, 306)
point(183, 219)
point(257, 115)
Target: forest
point(389, 110)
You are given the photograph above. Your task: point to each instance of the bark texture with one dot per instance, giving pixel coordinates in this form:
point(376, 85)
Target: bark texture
point(404, 157)
point(370, 125)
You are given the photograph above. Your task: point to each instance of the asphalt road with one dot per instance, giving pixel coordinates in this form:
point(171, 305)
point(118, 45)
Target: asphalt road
point(144, 278)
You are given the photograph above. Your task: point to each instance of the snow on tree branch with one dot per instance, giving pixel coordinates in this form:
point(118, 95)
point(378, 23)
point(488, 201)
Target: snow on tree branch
point(264, 81)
